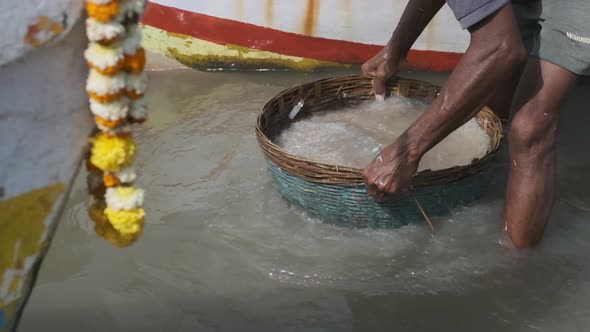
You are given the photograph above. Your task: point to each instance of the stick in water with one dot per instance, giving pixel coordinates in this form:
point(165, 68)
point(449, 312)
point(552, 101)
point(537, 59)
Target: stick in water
point(424, 214)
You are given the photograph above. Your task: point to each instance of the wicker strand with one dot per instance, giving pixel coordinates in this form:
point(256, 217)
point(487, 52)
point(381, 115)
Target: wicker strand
point(424, 214)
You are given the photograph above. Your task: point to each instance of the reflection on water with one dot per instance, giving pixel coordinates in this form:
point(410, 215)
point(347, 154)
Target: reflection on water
point(222, 251)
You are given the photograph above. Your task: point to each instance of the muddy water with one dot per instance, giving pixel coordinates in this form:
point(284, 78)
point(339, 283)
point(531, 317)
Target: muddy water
point(223, 252)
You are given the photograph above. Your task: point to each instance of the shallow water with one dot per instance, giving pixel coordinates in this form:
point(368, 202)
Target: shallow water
point(354, 135)
point(223, 252)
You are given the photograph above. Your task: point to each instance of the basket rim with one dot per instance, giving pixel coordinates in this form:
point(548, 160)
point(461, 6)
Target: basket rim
point(320, 172)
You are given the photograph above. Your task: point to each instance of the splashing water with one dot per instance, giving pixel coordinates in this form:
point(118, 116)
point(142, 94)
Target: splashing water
point(354, 135)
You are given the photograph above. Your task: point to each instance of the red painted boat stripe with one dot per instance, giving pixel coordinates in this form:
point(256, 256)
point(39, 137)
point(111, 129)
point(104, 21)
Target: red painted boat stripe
point(224, 31)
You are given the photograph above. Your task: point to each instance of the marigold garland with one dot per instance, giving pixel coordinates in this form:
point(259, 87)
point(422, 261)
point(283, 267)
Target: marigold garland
point(116, 85)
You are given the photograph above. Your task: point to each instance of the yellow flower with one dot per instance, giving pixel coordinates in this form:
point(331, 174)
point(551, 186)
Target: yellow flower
point(111, 153)
point(107, 232)
point(126, 222)
point(104, 229)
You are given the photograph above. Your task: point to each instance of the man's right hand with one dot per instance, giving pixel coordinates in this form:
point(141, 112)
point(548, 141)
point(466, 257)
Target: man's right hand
point(382, 67)
point(386, 63)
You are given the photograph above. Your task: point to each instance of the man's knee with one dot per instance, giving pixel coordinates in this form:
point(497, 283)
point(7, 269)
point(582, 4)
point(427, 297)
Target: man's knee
point(513, 52)
point(534, 130)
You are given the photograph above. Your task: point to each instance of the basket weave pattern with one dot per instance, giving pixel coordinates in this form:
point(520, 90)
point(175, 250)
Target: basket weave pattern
point(336, 193)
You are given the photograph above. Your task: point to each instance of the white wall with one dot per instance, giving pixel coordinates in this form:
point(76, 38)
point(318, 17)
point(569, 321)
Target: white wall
point(364, 21)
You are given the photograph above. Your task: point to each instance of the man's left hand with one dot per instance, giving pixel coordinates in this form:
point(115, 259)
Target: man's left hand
point(391, 171)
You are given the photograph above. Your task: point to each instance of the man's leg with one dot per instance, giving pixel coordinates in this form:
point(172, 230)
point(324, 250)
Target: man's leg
point(533, 131)
point(501, 100)
point(527, 15)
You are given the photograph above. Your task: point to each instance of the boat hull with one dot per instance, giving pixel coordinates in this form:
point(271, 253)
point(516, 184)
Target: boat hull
point(44, 127)
point(300, 35)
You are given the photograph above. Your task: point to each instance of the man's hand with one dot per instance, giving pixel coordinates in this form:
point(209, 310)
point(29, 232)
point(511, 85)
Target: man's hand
point(391, 171)
point(414, 19)
point(382, 67)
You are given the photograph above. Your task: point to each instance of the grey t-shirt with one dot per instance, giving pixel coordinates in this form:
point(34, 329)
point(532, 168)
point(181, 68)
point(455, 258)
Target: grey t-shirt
point(552, 30)
point(470, 12)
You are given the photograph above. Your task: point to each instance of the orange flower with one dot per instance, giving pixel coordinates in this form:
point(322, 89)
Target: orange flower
point(103, 13)
point(108, 123)
point(136, 62)
point(109, 71)
point(106, 98)
point(134, 94)
point(110, 180)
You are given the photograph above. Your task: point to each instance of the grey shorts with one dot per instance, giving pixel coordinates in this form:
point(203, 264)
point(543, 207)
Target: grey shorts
point(552, 30)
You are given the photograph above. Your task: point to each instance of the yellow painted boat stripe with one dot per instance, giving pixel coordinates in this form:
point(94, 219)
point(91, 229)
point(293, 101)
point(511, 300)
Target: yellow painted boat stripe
point(22, 229)
point(202, 54)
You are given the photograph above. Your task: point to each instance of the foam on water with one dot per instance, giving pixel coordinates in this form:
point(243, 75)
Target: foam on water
point(354, 135)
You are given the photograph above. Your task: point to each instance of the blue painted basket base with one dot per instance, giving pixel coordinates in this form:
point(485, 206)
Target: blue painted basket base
point(351, 206)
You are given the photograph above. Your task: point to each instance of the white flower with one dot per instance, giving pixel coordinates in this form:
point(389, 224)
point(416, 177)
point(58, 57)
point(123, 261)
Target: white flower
point(131, 7)
point(110, 111)
point(132, 41)
point(99, 31)
point(126, 175)
point(104, 85)
point(103, 56)
point(124, 198)
point(137, 83)
point(138, 109)
point(138, 5)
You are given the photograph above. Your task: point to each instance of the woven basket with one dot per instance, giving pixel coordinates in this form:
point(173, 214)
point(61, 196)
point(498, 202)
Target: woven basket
point(336, 193)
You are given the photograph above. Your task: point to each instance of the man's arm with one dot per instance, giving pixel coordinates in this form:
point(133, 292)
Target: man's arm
point(415, 18)
point(494, 52)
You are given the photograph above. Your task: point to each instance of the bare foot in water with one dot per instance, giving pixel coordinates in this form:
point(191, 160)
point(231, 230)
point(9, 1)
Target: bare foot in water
point(505, 240)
